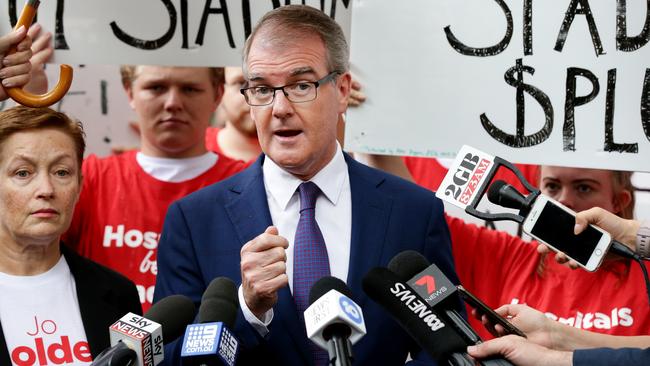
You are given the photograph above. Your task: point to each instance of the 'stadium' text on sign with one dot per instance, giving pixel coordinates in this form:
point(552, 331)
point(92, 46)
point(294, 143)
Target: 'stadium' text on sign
point(514, 76)
point(166, 35)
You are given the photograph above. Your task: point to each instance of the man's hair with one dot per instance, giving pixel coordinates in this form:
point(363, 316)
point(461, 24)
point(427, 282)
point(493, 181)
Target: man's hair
point(128, 73)
point(287, 23)
point(21, 119)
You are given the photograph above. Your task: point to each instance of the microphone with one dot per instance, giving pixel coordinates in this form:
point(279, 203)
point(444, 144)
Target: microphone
point(333, 321)
point(422, 323)
point(440, 294)
point(434, 288)
point(211, 342)
point(504, 194)
point(138, 340)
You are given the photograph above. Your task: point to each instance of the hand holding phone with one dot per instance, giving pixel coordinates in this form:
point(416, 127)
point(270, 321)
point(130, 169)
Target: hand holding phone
point(483, 309)
point(552, 224)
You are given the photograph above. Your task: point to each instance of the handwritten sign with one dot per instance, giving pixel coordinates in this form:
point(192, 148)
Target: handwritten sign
point(563, 83)
point(161, 32)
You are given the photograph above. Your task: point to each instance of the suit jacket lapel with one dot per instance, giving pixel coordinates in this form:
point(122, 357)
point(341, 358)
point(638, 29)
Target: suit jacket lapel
point(250, 216)
point(248, 208)
point(370, 214)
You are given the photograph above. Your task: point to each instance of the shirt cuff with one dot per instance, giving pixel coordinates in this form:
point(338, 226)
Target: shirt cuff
point(260, 325)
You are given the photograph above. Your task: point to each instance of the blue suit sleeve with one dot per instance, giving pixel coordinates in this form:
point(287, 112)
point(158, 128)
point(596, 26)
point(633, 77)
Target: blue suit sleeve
point(179, 272)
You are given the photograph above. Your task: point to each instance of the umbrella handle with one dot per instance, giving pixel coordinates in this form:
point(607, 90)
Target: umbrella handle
point(65, 75)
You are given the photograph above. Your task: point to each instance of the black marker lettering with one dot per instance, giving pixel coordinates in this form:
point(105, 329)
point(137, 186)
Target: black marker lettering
point(585, 10)
point(184, 13)
point(144, 44)
point(207, 10)
point(59, 36)
point(487, 51)
point(645, 104)
point(623, 42)
point(528, 27)
point(610, 145)
point(346, 3)
point(572, 101)
point(520, 139)
point(246, 14)
point(103, 96)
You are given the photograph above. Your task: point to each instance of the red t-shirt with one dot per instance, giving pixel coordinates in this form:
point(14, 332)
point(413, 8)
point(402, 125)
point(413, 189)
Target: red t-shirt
point(429, 173)
point(500, 269)
point(211, 142)
point(120, 213)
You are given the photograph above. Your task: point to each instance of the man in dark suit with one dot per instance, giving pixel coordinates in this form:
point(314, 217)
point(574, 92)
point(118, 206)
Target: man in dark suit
point(260, 227)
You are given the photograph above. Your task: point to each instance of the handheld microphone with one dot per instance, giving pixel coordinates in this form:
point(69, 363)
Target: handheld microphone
point(440, 294)
point(434, 288)
point(138, 340)
point(333, 320)
point(423, 324)
point(504, 194)
point(211, 342)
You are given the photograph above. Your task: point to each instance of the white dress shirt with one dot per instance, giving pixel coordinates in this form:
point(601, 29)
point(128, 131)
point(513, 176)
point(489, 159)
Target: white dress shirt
point(333, 215)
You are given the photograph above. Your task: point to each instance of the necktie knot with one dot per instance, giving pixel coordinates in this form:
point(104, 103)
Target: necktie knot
point(308, 194)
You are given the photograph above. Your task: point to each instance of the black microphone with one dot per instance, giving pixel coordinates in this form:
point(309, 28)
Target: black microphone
point(423, 324)
point(138, 340)
point(435, 288)
point(211, 342)
point(504, 194)
point(441, 295)
point(333, 320)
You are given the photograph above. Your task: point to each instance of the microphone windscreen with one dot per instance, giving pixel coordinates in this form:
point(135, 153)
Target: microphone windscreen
point(173, 313)
point(421, 323)
point(324, 285)
point(493, 193)
point(504, 194)
point(220, 302)
point(407, 264)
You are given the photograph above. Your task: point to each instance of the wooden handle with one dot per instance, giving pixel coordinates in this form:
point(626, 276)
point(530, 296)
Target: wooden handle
point(65, 76)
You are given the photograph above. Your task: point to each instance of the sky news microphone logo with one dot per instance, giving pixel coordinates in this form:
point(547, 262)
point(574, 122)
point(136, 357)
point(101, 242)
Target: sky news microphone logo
point(208, 339)
point(144, 334)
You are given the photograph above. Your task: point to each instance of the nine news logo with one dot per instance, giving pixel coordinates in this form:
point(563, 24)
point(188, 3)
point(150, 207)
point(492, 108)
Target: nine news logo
point(201, 339)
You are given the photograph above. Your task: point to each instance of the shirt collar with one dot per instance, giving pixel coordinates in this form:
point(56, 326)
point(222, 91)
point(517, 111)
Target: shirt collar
point(282, 185)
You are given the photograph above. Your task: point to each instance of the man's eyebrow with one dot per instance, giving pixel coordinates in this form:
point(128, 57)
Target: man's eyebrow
point(302, 71)
point(295, 72)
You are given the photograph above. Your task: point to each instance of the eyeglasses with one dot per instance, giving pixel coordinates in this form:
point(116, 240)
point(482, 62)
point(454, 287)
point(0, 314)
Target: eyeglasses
point(304, 91)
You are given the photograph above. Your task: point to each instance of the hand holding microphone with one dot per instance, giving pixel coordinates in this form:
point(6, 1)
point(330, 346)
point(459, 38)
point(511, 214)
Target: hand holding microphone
point(425, 303)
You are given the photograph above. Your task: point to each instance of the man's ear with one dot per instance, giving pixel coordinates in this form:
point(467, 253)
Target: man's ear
point(219, 90)
point(129, 95)
point(622, 199)
point(344, 87)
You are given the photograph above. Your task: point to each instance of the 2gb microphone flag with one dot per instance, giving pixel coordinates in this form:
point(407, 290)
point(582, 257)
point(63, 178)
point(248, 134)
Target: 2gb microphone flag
point(466, 176)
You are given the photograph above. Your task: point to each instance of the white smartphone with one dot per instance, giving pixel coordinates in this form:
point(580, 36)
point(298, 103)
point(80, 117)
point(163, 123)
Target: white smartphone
point(552, 223)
